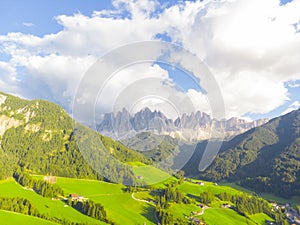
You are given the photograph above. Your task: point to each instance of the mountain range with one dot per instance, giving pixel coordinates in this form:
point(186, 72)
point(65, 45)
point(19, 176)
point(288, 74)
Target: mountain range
point(189, 127)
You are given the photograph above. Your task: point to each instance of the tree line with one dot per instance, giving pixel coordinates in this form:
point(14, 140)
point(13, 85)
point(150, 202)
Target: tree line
point(164, 197)
point(92, 209)
point(41, 187)
point(24, 206)
point(249, 205)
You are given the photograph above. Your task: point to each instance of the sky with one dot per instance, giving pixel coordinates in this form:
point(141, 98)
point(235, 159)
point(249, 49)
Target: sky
point(251, 47)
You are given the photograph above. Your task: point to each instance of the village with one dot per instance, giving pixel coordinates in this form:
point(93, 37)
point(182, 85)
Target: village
point(292, 214)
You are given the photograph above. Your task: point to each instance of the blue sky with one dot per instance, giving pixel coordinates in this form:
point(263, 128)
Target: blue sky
point(46, 46)
point(39, 15)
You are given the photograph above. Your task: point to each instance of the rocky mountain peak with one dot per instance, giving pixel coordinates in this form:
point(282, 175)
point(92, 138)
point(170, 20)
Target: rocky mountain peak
point(194, 126)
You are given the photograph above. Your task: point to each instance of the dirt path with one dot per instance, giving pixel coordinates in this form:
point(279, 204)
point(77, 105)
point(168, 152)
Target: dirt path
point(142, 200)
point(139, 200)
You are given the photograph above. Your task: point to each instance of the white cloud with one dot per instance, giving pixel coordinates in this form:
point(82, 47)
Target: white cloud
point(294, 106)
point(8, 80)
point(146, 85)
point(250, 54)
point(252, 47)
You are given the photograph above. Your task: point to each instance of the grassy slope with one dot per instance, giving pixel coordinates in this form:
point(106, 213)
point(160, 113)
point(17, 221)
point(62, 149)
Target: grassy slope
point(217, 215)
point(8, 218)
point(119, 205)
point(10, 188)
point(195, 189)
point(268, 196)
point(260, 218)
point(151, 175)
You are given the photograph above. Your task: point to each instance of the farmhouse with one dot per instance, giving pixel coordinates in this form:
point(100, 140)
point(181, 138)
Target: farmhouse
point(197, 213)
point(226, 206)
point(78, 198)
point(200, 183)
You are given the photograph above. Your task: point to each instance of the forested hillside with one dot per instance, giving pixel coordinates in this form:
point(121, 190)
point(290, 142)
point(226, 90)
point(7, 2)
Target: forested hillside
point(265, 159)
point(38, 136)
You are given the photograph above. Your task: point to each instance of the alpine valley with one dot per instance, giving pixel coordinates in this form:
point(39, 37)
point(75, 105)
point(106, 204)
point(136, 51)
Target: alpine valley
point(45, 178)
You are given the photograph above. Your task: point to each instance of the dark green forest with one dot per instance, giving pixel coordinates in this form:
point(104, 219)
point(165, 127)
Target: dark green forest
point(265, 159)
point(44, 140)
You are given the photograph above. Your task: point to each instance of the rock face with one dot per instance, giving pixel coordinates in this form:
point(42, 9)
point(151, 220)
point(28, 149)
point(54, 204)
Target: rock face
point(7, 122)
point(191, 127)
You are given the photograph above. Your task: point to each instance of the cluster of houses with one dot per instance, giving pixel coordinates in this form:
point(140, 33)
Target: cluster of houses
point(192, 218)
point(291, 214)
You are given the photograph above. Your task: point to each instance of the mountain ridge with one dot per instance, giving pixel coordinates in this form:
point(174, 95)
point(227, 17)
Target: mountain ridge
point(190, 127)
point(39, 136)
point(265, 158)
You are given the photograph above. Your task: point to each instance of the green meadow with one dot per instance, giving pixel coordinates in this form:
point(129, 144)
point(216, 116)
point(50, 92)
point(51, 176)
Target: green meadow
point(195, 189)
point(271, 197)
point(260, 218)
point(9, 218)
point(120, 206)
point(55, 208)
point(218, 216)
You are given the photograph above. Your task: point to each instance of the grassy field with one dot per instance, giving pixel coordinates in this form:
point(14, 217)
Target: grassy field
point(123, 209)
point(181, 210)
point(8, 218)
point(55, 208)
point(218, 216)
point(270, 197)
point(151, 175)
point(196, 189)
point(119, 205)
point(260, 218)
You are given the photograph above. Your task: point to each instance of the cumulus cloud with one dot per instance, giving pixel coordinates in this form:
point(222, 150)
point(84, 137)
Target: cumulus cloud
point(252, 48)
point(148, 85)
point(8, 80)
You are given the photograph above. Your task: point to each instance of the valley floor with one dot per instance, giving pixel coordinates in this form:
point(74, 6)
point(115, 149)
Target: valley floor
point(123, 207)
